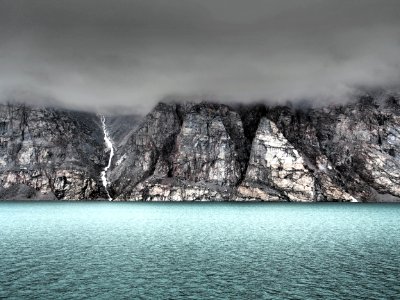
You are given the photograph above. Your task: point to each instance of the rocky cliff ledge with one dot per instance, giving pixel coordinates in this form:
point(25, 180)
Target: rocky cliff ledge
point(207, 151)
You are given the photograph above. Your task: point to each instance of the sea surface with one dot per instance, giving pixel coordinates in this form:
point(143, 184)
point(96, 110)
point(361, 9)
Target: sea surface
point(105, 250)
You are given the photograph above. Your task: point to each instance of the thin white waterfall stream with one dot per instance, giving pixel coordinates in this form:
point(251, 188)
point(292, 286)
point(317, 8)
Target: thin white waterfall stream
point(109, 146)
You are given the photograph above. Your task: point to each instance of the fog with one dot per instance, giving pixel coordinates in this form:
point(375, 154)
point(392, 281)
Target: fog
point(126, 55)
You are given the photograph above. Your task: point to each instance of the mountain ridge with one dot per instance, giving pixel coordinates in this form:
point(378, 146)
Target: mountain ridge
point(206, 151)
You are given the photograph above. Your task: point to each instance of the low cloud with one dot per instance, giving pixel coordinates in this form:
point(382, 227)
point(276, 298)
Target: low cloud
point(97, 54)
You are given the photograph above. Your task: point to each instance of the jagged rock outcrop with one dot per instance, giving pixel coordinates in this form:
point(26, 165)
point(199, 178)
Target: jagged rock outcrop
point(207, 151)
point(56, 152)
point(361, 142)
point(145, 151)
point(204, 149)
point(335, 153)
point(275, 164)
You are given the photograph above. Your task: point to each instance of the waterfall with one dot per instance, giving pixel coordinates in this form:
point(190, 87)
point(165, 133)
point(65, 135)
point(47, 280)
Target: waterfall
point(109, 145)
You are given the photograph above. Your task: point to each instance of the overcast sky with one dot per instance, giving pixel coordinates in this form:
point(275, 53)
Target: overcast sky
point(98, 53)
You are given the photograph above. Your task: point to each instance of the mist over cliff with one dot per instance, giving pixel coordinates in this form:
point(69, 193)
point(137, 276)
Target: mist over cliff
point(128, 55)
point(200, 100)
point(205, 151)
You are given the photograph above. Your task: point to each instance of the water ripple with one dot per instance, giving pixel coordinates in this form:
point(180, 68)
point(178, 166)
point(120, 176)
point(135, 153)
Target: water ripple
point(199, 251)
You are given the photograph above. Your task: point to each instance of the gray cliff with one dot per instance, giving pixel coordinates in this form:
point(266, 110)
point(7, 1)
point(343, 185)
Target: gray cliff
point(207, 151)
point(57, 153)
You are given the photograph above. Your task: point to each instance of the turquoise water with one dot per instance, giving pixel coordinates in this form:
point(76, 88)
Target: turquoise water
point(107, 250)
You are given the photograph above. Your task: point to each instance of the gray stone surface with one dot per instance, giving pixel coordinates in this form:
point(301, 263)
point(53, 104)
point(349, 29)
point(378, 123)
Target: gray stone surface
point(52, 151)
point(207, 151)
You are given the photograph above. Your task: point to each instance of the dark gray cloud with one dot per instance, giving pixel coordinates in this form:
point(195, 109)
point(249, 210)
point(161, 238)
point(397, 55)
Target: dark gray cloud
point(97, 53)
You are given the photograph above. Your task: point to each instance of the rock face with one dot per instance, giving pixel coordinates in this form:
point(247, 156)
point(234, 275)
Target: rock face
point(144, 153)
point(57, 153)
point(276, 164)
point(336, 153)
point(207, 151)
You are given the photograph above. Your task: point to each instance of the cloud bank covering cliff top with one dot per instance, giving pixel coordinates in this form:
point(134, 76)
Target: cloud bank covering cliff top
point(98, 53)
